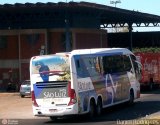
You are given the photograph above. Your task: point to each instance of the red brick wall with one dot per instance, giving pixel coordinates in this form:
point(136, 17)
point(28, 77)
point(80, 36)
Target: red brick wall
point(81, 39)
point(25, 71)
point(12, 76)
point(11, 50)
point(56, 42)
point(31, 45)
point(90, 39)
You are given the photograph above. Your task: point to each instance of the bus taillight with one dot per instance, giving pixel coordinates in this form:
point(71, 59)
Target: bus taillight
point(71, 94)
point(34, 100)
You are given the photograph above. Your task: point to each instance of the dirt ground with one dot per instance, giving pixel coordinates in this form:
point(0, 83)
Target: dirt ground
point(12, 106)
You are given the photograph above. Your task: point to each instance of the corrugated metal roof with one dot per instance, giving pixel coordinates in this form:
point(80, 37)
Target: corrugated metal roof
point(18, 14)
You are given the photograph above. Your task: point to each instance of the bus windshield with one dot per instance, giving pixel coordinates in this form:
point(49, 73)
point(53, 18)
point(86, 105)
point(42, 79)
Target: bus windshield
point(51, 68)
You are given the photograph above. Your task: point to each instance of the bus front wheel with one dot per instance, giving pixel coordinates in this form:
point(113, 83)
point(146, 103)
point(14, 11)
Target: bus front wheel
point(131, 98)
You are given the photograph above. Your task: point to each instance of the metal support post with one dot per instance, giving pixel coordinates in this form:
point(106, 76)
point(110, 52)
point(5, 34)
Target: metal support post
point(67, 40)
point(130, 35)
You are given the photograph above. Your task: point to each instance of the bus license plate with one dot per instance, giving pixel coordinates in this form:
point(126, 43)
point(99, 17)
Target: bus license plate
point(48, 100)
point(53, 110)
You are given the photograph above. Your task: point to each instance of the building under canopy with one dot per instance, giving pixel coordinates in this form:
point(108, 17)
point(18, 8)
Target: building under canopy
point(31, 29)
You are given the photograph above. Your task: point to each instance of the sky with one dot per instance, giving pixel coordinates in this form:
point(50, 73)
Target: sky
point(145, 6)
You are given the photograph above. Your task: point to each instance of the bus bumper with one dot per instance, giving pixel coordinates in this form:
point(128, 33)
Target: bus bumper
point(55, 111)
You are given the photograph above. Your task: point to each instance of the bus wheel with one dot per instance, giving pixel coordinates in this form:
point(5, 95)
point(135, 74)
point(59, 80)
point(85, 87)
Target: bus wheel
point(22, 96)
point(92, 109)
point(53, 118)
point(99, 107)
point(131, 98)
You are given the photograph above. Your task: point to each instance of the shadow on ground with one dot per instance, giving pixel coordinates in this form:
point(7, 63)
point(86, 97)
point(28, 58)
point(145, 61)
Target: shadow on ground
point(119, 112)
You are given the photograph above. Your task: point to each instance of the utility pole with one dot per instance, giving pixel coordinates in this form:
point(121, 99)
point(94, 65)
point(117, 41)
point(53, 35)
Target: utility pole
point(115, 2)
point(67, 30)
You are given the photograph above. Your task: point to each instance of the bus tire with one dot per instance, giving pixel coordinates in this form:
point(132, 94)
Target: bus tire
point(22, 96)
point(131, 98)
point(53, 118)
point(99, 107)
point(92, 109)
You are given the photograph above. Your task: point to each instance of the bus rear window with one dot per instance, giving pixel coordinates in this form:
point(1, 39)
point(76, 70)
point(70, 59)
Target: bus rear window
point(51, 66)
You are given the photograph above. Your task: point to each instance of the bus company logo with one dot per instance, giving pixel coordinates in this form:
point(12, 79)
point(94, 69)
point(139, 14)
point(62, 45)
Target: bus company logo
point(9, 122)
point(4, 121)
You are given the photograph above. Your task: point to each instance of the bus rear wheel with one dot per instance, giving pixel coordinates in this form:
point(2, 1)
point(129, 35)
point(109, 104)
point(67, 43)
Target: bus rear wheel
point(92, 109)
point(99, 108)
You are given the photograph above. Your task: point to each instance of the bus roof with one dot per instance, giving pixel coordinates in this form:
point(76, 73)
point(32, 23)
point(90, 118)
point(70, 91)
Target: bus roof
point(90, 51)
point(100, 50)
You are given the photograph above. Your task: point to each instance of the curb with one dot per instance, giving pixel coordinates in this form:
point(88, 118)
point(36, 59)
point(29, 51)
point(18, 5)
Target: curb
point(153, 116)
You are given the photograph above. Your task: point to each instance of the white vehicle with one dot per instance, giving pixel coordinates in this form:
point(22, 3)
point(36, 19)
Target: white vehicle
point(25, 88)
point(82, 81)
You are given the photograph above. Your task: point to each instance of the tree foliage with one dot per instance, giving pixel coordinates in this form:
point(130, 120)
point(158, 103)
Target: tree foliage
point(145, 49)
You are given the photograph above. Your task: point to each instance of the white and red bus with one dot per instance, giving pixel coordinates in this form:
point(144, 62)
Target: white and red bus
point(83, 81)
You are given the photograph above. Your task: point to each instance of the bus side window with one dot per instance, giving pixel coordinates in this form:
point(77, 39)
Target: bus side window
point(133, 58)
point(79, 69)
point(127, 63)
point(137, 67)
point(117, 64)
point(93, 66)
point(97, 65)
point(77, 64)
point(101, 65)
point(107, 64)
